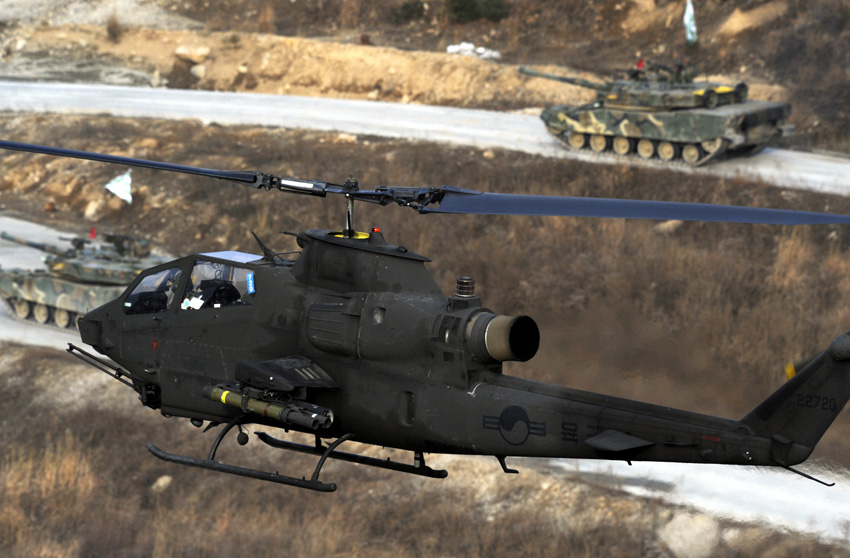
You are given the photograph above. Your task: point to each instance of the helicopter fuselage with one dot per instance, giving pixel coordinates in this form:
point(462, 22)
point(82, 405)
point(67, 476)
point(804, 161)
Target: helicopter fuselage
point(357, 333)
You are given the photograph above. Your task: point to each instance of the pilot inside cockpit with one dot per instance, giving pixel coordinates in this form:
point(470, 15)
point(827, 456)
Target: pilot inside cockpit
point(154, 292)
point(217, 285)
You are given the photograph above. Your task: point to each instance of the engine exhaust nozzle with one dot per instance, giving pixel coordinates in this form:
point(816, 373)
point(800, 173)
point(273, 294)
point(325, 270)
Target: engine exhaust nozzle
point(502, 338)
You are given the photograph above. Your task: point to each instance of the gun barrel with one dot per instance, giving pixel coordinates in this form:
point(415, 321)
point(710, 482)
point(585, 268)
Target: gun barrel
point(571, 80)
point(49, 248)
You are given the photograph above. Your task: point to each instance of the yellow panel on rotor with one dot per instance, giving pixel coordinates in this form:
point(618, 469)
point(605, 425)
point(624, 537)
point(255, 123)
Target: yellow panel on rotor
point(357, 235)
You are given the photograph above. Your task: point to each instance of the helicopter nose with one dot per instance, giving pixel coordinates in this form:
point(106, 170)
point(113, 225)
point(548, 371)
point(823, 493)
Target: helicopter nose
point(91, 330)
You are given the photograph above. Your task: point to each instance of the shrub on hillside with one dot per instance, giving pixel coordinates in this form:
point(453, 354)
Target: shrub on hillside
point(411, 10)
point(114, 29)
point(465, 11)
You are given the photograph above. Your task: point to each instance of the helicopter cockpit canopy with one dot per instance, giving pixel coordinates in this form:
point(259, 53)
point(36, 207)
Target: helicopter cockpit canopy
point(215, 280)
point(154, 292)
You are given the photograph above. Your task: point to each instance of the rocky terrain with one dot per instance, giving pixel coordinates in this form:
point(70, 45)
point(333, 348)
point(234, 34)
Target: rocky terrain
point(629, 294)
point(618, 296)
point(350, 48)
point(77, 481)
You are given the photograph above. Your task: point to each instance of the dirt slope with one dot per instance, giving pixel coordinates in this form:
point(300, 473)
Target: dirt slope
point(783, 48)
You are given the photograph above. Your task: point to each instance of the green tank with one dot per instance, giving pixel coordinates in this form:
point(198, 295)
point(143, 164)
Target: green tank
point(661, 112)
point(75, 279)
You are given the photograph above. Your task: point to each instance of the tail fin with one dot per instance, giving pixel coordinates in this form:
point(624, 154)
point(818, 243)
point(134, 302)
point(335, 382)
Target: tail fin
point(798, 414)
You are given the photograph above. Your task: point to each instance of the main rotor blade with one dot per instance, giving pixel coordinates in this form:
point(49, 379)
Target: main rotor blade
point(235, 176)
point(455, 200)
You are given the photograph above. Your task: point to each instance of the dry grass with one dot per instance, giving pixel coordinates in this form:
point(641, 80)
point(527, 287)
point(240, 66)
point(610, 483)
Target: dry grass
point(266, 19)
point(48, 491)
point(734, 301)
point(796, 51)
point(703, 319)
point(90, 495)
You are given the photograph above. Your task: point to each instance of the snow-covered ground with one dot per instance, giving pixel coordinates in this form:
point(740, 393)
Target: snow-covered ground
point(141, 13)
point(763, 495)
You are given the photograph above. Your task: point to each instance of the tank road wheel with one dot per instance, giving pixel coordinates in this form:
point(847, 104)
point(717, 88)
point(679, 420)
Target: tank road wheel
point(623, 146)
point(577, 140)
point(667, 151)
point(710, 99)
point(62, 318)
point(41, 313)
point(22, 308)
point(598, 143)
point(711, 146)
point(646, 149)
point(691, 154)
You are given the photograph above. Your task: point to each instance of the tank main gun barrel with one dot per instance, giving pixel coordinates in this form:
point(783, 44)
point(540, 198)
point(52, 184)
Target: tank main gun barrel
point(49, 248)
point(571, 80)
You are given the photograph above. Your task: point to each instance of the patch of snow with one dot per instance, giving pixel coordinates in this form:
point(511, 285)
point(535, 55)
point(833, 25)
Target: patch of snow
point(130, 13)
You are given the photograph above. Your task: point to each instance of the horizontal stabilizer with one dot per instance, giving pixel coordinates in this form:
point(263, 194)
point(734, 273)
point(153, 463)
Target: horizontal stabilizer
point(283, 374)
point(614, 440)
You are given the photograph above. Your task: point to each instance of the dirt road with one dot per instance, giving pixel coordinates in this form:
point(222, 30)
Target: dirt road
point(477, 128)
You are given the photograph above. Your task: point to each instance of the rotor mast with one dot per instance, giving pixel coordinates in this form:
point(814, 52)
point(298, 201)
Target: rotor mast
point(350, 185)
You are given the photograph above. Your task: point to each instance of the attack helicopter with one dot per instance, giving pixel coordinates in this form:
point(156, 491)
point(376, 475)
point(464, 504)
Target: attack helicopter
point(352, 340)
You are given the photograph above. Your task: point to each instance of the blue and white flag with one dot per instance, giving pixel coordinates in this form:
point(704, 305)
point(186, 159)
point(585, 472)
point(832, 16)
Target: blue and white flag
point(690, 23)
point(120, 186)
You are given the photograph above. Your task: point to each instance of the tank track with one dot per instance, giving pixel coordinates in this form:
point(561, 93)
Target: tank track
point(691, 154)
point(41, 314)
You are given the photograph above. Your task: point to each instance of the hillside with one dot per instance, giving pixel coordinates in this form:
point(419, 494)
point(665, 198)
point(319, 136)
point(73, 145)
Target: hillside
point(783, 48)
point(701, 317)
point(693, 318)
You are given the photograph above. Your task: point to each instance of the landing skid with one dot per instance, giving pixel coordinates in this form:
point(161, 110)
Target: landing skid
point(418, 468)
point(210, 464)
point(241, 471)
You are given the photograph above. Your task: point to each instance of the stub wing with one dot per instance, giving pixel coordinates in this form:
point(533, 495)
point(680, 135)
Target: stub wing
point(616, 441)
point(284, 374)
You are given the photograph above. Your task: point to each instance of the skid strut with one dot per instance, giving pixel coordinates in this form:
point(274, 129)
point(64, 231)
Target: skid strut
point(212, 465)
point(419, 468)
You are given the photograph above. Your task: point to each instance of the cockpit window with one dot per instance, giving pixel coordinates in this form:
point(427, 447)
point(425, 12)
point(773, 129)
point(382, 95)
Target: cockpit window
point(154, 293)
point(217, 285)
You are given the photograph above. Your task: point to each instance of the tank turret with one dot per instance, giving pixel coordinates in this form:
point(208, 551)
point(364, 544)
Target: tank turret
point(657, 88)
point(76, 279)
point(661, 111)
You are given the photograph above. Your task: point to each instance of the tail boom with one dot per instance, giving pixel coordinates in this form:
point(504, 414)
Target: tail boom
point(797, 415)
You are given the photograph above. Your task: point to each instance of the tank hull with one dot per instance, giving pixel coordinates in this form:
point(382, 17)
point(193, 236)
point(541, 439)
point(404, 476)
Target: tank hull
point(40, 296)
point(700, 131)
point(76, 279)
